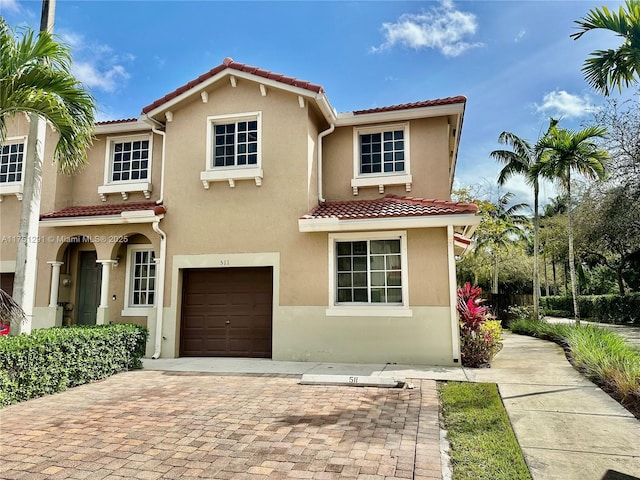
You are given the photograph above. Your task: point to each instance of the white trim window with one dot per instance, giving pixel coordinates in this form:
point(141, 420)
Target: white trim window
point(368, 274)
point(381, 156)
point(128, 165)
point(140, 282)
point(234, 150)
point(12, 158)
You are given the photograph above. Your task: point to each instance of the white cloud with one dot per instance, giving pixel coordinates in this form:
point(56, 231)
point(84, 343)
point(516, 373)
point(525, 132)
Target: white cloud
point(9, 6)
point(520, 35)
point(97, 65)
point(107, 80)
point(442, 28)
point(560, 103)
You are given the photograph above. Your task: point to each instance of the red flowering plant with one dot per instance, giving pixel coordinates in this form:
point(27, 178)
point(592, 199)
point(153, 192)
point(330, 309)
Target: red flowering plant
point(479, 332)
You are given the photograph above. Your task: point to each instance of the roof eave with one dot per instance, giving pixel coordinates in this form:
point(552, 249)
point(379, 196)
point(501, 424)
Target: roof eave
point(122, 127)
point(349, 118)
point(334, 224)
point(123, 218)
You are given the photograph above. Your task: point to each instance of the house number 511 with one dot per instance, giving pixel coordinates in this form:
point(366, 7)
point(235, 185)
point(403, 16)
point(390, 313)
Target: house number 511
point(225, 263)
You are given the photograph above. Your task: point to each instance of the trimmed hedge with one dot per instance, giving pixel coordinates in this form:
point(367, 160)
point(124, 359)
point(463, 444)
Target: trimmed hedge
point(51, 360)
point(603, 308)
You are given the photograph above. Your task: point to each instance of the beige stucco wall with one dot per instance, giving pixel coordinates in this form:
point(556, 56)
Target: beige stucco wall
point(429, 163)
point(246, 218)
point(306, 334)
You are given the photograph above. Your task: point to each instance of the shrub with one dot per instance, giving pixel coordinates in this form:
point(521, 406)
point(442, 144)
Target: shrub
point(51, 360)
point(603, 308)
point(479, 335)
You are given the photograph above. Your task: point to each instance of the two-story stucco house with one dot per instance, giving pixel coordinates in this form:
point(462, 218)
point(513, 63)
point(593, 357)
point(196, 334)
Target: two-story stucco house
point(240, 215)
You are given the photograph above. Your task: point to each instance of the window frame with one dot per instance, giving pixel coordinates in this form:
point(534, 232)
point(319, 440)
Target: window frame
point(355, 309)
point(231, 173)
point(380, 179)
point(15, 187)
point(123, 187)
point(131, 310)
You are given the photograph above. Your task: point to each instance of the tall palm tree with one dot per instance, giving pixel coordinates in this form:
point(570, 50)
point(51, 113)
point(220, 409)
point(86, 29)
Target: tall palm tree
point(613, 68)
point(520, 160)
point(35, 78)
point(569, 151)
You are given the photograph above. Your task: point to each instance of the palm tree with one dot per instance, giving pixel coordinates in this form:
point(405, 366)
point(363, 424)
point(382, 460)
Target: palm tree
point(501, 225)
point(520, 160)
point(35, 78)
point(609, 68)
point(569, 151)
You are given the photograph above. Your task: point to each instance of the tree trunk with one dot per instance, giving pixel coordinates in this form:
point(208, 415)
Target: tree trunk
point(546, 276)
point(555, 276)
point(572, 265)
point(620, 279)
point(494, 283)
point(536, 267)
point(27, 251)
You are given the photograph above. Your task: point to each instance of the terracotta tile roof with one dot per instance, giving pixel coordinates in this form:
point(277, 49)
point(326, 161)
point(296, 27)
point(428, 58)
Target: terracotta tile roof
point(103, 210)
point(241, 67)
point(406, 106)
point(388, 207)
point(111, 122)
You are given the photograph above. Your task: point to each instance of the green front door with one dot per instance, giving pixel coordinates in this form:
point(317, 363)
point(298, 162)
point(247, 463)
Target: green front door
point(90, 277)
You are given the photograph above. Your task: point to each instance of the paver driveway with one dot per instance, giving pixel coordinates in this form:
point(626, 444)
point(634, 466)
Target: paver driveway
point(164, 425)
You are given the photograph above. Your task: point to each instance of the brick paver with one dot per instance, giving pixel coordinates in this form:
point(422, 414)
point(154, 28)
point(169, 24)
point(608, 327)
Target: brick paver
point(166, 425)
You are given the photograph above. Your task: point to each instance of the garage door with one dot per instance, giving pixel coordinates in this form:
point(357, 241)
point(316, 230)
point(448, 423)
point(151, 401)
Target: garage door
point(226, 312)
point(6, 282)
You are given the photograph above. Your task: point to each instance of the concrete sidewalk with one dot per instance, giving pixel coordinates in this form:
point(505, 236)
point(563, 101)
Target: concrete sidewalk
point(567, 427)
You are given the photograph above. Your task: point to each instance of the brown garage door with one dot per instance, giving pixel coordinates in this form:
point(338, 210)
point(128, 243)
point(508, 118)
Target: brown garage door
point(226, 312)
point(6, 282)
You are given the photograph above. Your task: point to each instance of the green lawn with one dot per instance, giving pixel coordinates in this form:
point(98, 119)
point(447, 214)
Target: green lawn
point(482, 443)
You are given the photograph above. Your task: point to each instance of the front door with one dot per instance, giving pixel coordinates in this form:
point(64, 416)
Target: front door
point(89, 279)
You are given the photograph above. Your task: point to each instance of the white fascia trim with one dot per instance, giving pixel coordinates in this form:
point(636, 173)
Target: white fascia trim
point(123, 219)
point(120, 128)
point(336, 225)
point(349, 119)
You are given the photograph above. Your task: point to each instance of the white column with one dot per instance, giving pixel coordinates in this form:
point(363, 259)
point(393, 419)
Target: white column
point(104, 288)
point(55, 283)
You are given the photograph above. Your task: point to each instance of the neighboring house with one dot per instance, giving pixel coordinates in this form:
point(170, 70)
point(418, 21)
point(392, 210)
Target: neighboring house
point(240, 215)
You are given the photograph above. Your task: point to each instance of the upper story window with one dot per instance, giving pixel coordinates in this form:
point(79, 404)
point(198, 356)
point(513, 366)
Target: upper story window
point(12, 158)
point(233, 149)
point(127, 166)
point(130, 160)
point(381, 157)
point(235, 144)
point(382, 152)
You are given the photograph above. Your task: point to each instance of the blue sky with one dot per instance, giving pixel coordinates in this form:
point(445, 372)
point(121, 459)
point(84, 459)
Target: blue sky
point(513, 60)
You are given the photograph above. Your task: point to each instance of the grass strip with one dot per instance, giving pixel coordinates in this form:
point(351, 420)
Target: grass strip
point(482, 443)
point(601, 355)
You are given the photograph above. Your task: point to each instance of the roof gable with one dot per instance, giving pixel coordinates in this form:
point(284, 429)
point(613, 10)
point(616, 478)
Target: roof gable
point(233, 66)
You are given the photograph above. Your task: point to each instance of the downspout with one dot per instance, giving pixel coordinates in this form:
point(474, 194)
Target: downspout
point(453, 296)
point(323, 134)
point(160, 298)
point(163, 249)
point(164, 143)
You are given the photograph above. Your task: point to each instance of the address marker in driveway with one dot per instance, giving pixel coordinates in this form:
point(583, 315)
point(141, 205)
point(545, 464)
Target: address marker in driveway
point(351, 381)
